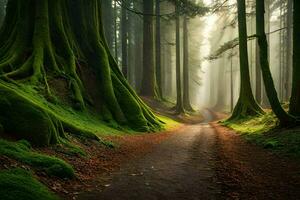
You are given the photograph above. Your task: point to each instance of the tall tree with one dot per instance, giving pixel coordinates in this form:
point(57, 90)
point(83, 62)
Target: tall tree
point(46, 39)
point(186, 68)
point(124, 38)
point(148, 87)
point(179, 101)
point(289, 54)
point(246, 105)
point(158, 49)
point(283, 117)
point(295, 97)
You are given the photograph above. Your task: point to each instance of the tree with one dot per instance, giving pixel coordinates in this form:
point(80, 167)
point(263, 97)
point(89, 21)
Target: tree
point(108, 21)
point(283, 117)
point(124, 36)
point(158, 49)
point(149, 86)
point(186, 71)
point(295, 97)
point(179, 103)
point(246, 105)
point(56, 39)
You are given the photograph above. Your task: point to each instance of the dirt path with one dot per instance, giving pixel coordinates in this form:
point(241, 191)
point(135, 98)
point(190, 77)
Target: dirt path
point(181, 167)
point(247, 171)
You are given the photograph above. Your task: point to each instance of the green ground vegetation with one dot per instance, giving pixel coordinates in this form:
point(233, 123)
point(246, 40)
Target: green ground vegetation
point(20, 184)
point(22, 152)
point(265, 131)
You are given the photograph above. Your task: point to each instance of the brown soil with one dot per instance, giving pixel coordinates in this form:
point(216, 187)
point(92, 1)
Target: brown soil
point(94, 172)
point(247, 171)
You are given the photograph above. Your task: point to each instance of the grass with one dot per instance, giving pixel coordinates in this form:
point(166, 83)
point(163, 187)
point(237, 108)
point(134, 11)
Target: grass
point(264, 131)
point(169, 123)
point(20, 184)
point(22, 152)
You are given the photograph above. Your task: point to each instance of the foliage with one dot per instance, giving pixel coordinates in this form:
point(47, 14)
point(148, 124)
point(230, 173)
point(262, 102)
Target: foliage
point(22, 152)
point(20, 184)
point(264, 131)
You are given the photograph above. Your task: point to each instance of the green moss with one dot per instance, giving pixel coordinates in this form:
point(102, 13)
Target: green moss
point(20, 184)
point(264, 131)
point(29, 122)
point(22, 152)
point(168, 122)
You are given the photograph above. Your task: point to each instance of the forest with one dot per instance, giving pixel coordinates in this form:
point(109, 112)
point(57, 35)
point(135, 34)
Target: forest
point(149, 99)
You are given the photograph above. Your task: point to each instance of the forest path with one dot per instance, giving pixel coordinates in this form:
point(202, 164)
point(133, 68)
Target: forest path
point(181, 167)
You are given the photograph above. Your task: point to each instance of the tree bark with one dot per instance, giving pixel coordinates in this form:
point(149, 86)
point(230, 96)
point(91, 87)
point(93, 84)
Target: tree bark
point(2, 10)
point(124, 35)
point(158, 50)
point(148, 87)
point(179, 103)
point(186, 71)
point(258, 86)
point(295, 97)
point(246, 105)
point(283, 117)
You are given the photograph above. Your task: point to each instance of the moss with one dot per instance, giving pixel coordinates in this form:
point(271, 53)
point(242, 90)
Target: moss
point(29, 122)
point(264, 130)
point(22, 152)
point(56, 37)
point(20, 184)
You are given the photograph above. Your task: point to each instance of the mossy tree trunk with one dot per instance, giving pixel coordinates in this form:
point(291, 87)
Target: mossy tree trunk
point(246, 105)
point(52, 37)
point(295, 97)
point(283, 117)
point(2, 10)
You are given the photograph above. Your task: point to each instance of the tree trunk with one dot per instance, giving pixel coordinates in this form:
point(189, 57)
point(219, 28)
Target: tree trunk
point(107, 15)
point(283, 117)
point(56, 39)
point(2, 10)
point(289, 54)
point(246, 105)
point(158, 50)
point(258, 91)
point(179, 103)
point(148, 87)
point(116, 31)
point(186, 72)
point(295, 97)
point(124, 36)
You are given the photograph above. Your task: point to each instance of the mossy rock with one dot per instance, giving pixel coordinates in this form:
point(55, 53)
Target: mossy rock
point(17, 184)
point(24, 120)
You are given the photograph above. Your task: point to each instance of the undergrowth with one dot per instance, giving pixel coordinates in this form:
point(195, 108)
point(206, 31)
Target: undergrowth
point(20, 184)
point(265, 131)
point(22, 152)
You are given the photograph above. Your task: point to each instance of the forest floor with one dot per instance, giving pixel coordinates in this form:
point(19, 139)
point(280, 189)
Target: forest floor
point(190, 161)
